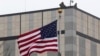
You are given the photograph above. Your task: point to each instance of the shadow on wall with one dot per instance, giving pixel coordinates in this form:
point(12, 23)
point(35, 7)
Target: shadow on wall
point(88, 37)
point(63, 32)
point(8, 38)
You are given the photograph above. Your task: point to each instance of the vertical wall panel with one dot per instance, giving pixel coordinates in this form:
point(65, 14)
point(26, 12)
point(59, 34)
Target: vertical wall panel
point(82, 39)
point(98, 49)
point(3, 26)
point(82, 46)
point(37, 22)
point(96, 28)
point(93, 49)
point(85, 23)
point(9, 26)
point(9, 45)
point(88, 47)
point(16, 31)
point(31, 21)
point(62, 45)
point(80, 28)
point(78, 21)
point(53, 15)
point(62, 20)
point(9, 48)
point(1, 48)
point(16, 25)
point(93, 45)
point(17, 53)
point(99, 30)
point(78, 45)
point(89, 32)
point(70, 28)
point(24, 23)
point(62, 36)
point(46, 17)
point(90, 26)
point(98, 45)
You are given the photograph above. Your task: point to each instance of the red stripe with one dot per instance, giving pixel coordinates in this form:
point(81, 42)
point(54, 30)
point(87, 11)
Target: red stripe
point(28, 38)
point(55, 50)
point(22, 35)
point(47, 41)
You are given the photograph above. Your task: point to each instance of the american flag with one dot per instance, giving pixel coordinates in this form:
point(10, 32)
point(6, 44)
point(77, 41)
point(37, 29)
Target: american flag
point(39, 40)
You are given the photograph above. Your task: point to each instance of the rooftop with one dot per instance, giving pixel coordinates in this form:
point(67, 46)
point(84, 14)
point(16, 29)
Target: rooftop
point(74, 7)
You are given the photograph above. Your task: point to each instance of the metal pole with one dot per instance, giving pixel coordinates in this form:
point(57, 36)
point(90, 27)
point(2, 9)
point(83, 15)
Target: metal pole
point(20, 25)
point(59, 11)
point(42, 18)
point(71, 1)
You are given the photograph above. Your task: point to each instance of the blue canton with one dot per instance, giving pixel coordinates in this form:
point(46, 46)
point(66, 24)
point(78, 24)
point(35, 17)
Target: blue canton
point(49, 30)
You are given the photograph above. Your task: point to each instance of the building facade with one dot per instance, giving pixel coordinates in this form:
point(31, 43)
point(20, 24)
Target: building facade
point(80, 31)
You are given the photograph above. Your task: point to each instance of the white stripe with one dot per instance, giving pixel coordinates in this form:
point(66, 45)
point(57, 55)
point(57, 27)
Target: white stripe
point(29, 35)
point(30, 40)
point(41, 49)
point(47, 39)
point(43, 44)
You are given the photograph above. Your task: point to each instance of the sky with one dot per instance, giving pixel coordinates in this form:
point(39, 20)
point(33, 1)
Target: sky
point(17, 6)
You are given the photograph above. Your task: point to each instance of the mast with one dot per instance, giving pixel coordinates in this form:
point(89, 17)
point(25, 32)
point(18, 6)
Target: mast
point(71, 1)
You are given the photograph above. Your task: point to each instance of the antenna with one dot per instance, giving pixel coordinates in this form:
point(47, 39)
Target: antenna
point(71, 1)
point(25, 5)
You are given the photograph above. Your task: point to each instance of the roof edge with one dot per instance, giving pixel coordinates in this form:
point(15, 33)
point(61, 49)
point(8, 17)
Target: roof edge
point(19, 13)
point(87, 13)
point(75, 7)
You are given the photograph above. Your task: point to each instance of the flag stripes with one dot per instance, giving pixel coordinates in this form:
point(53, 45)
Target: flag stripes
point(44, 45)
point(26, 39)
point(33, 43)
point(39, 40)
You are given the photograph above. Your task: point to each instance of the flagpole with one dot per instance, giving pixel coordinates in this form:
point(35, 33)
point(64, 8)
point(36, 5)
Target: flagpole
point(20, 25)
point(42, 18)
point(71, 1)
point(59, 31)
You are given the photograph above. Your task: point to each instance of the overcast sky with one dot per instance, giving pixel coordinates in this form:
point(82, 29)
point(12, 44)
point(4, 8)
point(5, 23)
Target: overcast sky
point(15, 6)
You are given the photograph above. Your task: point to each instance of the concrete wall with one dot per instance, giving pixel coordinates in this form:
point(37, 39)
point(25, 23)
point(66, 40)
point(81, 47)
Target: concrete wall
point(70, 44)
point(88, 25)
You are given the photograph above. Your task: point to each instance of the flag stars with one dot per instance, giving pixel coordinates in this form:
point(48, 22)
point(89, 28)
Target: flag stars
point(50, 30)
